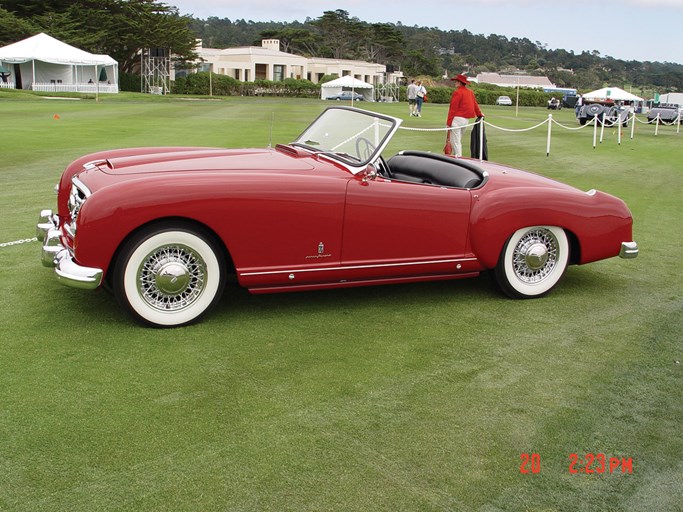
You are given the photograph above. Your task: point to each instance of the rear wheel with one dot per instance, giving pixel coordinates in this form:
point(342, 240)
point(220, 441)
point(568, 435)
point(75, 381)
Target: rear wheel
point(169, 275)
point(532, 261)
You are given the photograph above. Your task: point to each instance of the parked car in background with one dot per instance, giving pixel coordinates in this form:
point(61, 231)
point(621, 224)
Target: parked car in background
point(667, 113)
point(554, 104)
point(607, 113)
point(503, 100)
point(163, 228)
point(347, 95)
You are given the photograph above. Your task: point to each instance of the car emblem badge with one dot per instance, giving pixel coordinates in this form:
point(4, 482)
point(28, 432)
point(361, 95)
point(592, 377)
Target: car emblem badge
point(321, 253)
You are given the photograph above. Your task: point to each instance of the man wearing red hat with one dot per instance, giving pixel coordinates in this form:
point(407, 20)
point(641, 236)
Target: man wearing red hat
point(463, 107)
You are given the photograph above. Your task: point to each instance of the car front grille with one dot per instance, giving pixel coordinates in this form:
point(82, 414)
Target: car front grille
point(77, 197)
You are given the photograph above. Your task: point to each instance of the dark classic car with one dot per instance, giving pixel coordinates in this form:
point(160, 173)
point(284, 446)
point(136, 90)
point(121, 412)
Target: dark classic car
point(164, 227)
point(668, 114)
point(608, 114)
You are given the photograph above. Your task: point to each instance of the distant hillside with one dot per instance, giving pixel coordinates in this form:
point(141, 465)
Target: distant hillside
point(431, 52)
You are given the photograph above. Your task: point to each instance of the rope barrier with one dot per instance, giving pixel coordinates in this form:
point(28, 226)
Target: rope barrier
point(595, 121)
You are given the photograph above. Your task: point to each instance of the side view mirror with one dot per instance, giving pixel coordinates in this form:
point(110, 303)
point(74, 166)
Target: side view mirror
point(369, 174)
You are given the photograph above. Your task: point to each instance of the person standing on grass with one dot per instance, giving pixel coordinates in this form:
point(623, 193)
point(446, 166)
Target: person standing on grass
point(420, 97)
point(463, 107)
point(412, 98)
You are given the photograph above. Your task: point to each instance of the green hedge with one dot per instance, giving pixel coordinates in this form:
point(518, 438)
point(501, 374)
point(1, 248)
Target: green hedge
point(129, 82)
point(487, 95)
point(198, 84)
point(221, 85)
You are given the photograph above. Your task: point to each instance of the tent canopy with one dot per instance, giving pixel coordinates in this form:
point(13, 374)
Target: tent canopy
point(347, 83)
point(611, 93)
point(48, 49)
point(43, 63)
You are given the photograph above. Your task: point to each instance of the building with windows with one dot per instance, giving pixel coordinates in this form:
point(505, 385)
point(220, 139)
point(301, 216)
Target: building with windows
point(267, 62)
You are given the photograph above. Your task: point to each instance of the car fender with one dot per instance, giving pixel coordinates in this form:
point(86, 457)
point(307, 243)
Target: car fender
point(598, 222)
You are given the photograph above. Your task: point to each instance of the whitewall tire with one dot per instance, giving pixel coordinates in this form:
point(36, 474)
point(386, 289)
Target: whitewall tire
point(532, 261)
point(167, 276)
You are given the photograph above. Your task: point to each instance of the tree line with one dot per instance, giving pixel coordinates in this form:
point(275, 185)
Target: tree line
point(429, 51)
point(121, 28)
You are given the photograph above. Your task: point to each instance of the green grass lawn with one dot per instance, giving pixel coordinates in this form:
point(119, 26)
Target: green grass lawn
point(412, 397)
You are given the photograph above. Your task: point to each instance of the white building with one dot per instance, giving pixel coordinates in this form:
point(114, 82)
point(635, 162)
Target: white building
point(267, 62)
point(527, 81)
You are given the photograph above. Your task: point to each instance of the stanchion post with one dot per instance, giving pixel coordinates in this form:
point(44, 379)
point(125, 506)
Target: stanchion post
point(656, 125)
point(633, 125)
point(619, 126)
point(595, 131)
point(602, 129)
point(481, 139)
point(550, 129)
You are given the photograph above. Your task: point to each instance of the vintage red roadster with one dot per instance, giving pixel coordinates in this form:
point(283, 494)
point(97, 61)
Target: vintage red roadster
point(163, 227)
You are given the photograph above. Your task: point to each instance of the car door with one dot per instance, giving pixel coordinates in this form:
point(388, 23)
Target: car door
point(395, 228)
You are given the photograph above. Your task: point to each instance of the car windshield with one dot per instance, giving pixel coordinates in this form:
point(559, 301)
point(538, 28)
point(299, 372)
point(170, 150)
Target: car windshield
point(353, 136)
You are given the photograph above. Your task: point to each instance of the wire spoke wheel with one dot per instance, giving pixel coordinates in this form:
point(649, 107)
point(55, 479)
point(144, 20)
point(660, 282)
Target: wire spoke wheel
point(535, 256)
point(172, 277)
point(532, 261)
point(168, 276)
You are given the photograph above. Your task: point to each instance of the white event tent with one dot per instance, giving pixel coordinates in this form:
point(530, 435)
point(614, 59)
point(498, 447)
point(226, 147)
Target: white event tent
point(611, 93)
point(43, 63)
point(347, 83)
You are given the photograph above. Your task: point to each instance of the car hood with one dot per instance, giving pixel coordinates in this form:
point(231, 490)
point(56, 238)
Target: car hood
point(209, 159)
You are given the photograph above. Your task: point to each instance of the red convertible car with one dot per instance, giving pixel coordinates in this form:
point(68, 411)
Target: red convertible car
point(164, 227)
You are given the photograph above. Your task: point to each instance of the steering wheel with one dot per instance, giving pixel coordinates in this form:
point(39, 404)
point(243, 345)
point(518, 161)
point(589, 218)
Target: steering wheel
point(364, 149)
point(383, 168)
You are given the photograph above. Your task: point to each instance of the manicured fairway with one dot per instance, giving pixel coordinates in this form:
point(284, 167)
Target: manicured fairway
point(418, 398)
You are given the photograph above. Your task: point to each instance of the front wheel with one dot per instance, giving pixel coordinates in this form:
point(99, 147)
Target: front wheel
point(169, 275)
point(532, 261)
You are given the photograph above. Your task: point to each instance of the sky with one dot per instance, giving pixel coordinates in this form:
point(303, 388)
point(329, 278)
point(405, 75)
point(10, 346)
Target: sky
point(642, 30)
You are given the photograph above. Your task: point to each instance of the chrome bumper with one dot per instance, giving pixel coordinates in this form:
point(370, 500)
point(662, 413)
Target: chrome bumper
point(55, 255)
point(628, 250)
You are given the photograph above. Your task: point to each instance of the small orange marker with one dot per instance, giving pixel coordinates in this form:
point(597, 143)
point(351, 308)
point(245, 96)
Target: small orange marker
point(56, 116)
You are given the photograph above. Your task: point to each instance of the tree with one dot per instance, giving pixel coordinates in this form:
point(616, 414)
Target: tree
point(339, 32)
point(14, 28)
point(119, 28)
point(380, 42)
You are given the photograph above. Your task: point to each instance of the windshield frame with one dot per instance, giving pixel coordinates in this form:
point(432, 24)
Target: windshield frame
point(383, 128)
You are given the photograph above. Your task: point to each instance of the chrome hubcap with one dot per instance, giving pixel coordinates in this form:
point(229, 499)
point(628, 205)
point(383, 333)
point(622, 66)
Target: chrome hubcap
point(172, 277)
point(535, 256)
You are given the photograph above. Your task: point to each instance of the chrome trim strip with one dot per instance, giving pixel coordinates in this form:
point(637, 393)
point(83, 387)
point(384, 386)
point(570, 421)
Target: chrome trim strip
point(89, 166)
point(356, 267)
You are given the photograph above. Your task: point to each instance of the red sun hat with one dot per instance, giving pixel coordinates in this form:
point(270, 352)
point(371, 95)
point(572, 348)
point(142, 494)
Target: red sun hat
point(461, 78)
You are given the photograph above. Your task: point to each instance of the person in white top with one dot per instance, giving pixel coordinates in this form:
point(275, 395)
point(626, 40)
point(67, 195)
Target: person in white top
point(412, 98)
point(420, 96)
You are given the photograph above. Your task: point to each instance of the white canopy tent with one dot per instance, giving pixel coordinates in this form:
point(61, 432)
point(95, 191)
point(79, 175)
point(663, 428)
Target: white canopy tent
point(43, 63)
point(611, 93)
point(347, 83)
